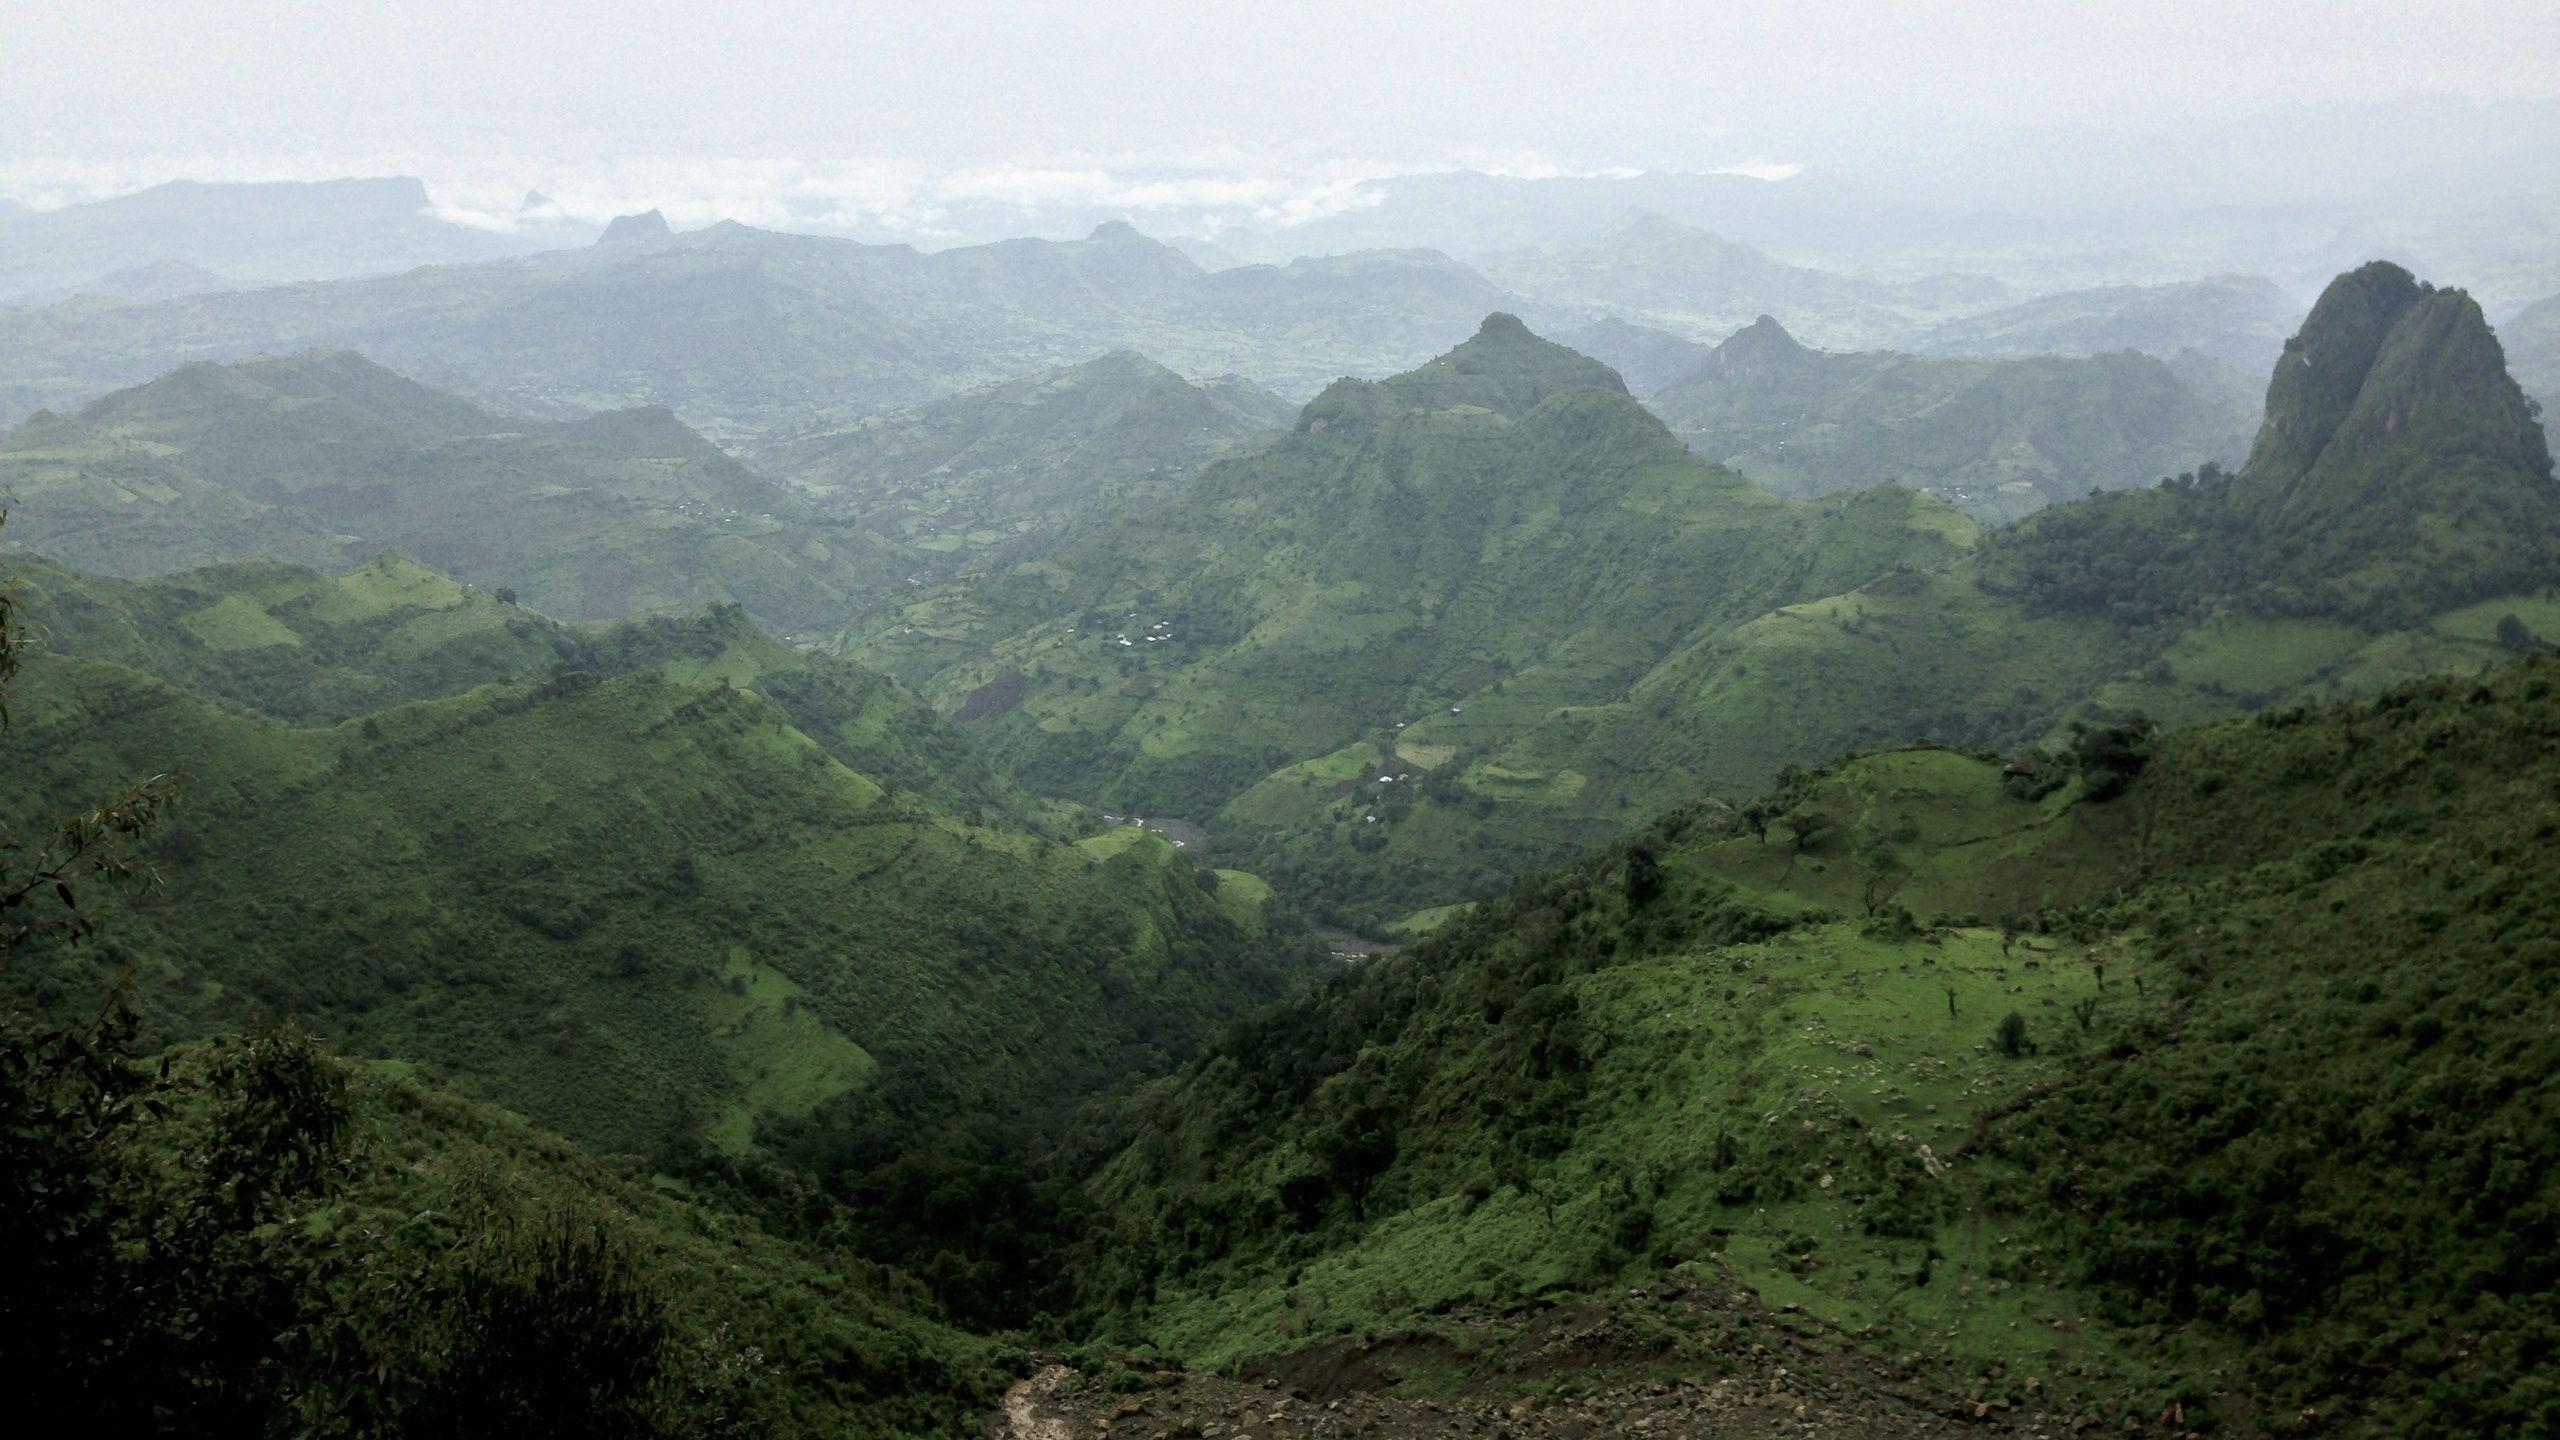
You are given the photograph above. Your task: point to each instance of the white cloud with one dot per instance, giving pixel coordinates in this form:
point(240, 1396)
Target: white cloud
point(1761, 170)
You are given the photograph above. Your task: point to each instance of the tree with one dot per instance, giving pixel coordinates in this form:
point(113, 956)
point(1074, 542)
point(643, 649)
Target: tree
point(1644, 876)
point(2110, 756)
point(506, 595)
point(2010, 1038)
point(2514, 635)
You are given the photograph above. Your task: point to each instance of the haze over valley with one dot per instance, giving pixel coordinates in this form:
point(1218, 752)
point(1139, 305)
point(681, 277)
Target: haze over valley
point(1280, 722)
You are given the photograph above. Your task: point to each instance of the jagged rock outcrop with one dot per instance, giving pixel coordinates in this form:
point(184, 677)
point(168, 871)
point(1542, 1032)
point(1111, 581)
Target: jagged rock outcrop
point(2385, 363)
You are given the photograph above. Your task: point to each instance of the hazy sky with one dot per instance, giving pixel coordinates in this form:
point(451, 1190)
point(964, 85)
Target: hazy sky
point(99, 94)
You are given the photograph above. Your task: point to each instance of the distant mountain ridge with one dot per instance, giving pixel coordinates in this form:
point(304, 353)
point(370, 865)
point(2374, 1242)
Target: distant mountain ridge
point(1669, 276)
point(976, 476)
point(751, 334)
point(1996, 438)
point(241, 235)
point(1420, 568)
point(2236, 320)
point(325, 457)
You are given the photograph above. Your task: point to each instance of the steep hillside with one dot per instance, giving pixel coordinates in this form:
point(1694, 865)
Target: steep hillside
point(2237, 320)
point(2199, 1077)
point(1669, 276)
point(723, 882)
point(310, 648)
point(651, 913)
point(1998, 439)
point(1424, 566)
point(971, 478)
point(750, 334)
point(2397, 453)
point(321, 458)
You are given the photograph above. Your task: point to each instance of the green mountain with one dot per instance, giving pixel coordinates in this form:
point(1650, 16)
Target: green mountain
point(2186, 1077)
point(2236, 320)
point(2328, 567)
point(1998, 439)
point(653, 904)
point(318, 459)
point(1423, 567)
point(1668, 276)
point(1456, 625)
point(750, 334)
point(984, 474)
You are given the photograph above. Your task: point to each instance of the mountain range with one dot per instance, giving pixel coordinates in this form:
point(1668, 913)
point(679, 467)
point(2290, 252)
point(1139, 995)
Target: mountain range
point(189, 236)
point(1685, 280)
point(750, 335)
point(1998, 439)
point(1483, 614)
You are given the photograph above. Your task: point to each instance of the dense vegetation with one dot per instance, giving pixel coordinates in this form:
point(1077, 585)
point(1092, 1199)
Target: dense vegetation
point(642, 903)
point(2207, 1070)
point(249, 1236)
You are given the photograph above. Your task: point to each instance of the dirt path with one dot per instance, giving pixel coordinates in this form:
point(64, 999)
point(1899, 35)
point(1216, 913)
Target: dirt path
point(1568, 1372)
point(1034, 1408)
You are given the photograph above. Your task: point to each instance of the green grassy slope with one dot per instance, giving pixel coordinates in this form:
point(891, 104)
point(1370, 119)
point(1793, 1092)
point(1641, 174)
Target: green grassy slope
point(646, 910)
point(1996, 438)
point(322, 457)
point(316, 649)
point(969, 479)
point(2273, 1131)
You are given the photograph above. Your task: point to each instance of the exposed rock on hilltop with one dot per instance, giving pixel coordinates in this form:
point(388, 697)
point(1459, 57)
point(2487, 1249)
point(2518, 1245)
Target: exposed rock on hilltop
point(637, 229)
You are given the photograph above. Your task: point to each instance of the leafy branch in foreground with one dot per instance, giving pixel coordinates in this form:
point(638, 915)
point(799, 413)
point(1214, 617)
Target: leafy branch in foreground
point(95, 844)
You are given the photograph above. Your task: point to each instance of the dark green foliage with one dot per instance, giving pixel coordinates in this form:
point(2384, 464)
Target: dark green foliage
point(2109, 757)
point(2010, 1038)
point(2300, 1114)
point(2514, 635)
point(246, 1240)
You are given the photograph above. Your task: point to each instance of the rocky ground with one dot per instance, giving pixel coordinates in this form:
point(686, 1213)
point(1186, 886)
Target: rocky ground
point(1695, 1361)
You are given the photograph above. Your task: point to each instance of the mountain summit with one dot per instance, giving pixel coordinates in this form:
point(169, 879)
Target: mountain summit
point(1503, 367)
point(2384, 363)
point(2395, 437)
point(644, 228)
